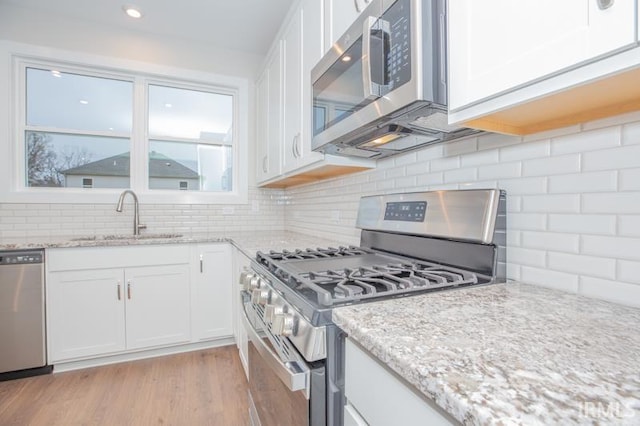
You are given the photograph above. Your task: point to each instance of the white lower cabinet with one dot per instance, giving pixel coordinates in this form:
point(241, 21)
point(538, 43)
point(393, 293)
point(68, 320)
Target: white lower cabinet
point(242, 263)
point(376, 396)
point(104, 301)
point(86, 313)
point(212, 283)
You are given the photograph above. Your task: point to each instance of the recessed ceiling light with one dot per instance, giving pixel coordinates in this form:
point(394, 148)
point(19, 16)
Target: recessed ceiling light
point(56, 73)
point(132, 11)
point(84, 101)
point(168, 105)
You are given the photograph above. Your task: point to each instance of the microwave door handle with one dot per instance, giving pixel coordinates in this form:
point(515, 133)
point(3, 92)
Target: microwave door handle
point(370, 88)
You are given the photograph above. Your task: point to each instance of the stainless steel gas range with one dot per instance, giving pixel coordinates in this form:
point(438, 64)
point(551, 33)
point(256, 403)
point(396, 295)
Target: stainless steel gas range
point(410, 244)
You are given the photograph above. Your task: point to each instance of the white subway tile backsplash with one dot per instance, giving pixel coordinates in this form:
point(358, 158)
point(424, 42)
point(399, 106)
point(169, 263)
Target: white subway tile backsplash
point(551, 165)
point(430, 179)
point(500, 171)
point(583, 223)
point(629, 271)
point(533, 185)
point(582, 265)
point(548, 278)
point(629, 226)
point(431, 153)
point(461, 175)
point(526, 151)
point(548, 134)
point(613, 291)
point(551, 241)
point(528, 257)
point(527, 221)
point(495, 140)
point(586, 141)
point(613, 247)
point(631, 133)
point(564, 203)
point(463, 146)
point(446, 163)
point(612, 159)
point(629, 180)
point(480, 158)
point(612, 203)
point(417, 168)
point(584, 182)
point(404, 159)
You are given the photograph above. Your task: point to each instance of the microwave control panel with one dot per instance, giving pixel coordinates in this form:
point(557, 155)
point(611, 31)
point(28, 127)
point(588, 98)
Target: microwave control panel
point(398, 58)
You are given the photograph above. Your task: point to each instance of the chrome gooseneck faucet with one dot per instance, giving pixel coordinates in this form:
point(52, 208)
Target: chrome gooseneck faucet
point(137, 226)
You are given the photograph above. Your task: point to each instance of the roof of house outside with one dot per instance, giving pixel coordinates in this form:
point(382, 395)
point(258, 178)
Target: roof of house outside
point(160, 166)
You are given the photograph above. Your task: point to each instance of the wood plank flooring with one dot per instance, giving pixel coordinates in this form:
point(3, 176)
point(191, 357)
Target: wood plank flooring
point(197, 388)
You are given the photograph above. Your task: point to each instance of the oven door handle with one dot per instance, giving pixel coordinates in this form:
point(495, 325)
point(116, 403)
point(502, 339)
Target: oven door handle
point(294, 374)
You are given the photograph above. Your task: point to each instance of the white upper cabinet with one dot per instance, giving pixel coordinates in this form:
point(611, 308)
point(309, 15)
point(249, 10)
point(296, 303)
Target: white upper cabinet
point(339, 15)
point(497, 45)
point(292, 76)
point(269, 117)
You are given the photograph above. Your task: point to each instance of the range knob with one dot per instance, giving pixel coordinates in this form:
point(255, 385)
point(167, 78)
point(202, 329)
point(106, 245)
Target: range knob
point(245, 278)
point(283, 324)
point(270, 311)
point(260, 296)
point(254, 283)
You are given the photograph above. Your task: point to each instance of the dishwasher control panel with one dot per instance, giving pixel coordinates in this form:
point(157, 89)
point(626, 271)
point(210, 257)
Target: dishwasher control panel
point(20, 257)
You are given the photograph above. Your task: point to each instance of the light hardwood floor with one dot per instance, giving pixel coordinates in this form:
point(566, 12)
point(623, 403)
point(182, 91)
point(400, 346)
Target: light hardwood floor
point(197, 388)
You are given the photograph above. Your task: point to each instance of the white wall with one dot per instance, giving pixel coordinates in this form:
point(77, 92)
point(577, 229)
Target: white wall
point(573, 201)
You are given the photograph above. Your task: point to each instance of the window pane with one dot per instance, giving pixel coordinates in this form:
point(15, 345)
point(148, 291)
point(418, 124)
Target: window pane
point(190, 166)
point(77, 102)
point(190, 114)
point(72, 161)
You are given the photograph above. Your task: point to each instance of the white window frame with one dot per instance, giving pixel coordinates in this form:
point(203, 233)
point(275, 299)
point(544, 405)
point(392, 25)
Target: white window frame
point(15, 58)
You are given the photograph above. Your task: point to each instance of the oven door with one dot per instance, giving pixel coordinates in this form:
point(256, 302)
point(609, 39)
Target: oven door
point(281, 383)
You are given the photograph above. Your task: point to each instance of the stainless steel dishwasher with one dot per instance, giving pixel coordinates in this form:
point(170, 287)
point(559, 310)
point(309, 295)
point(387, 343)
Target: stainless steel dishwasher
point(22, 309)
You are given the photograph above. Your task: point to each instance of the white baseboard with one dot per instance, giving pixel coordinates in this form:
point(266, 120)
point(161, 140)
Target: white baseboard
point(132, 356)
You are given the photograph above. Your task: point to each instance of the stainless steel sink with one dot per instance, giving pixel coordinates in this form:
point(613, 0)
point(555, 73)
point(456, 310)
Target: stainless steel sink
point(114, 237)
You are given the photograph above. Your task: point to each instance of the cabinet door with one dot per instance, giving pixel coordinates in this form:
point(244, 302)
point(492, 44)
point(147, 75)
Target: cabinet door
point(274, 135)
point(339, 15)
point(292, 89)
point(158, 305)
point(262, 127)
point(312, 50)
point(497, 45)
point(212, 277)
point(85, 312)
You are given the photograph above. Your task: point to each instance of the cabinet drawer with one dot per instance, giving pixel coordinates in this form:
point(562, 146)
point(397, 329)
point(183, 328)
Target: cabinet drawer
point(382, 398)
point(80, 258)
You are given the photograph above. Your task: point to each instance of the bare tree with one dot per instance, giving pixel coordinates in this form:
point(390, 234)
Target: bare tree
point(45, 165)
point(41, 160)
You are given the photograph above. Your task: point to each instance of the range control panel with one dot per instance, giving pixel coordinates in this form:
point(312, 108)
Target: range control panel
point(17, 257)
point(406, 211)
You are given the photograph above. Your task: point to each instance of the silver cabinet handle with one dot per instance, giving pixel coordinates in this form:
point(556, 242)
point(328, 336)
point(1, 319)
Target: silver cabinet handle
point(298, 137)
point(119, 294)
point(605, 4)
point(264, 164)
point(293, 147)
point(201, 264)
point(357, 4)
point(129, 289)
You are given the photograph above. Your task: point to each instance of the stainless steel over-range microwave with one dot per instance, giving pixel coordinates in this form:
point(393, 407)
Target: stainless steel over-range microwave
point(382, 88)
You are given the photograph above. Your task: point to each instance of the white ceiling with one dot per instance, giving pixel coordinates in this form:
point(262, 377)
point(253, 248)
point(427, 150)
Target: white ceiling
point(244, 25)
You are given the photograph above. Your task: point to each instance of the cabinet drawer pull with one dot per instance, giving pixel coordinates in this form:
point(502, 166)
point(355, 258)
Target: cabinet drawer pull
point(264, 164)
point(201, 264)
point(129, 290)
point(358, 7)
point(605, 4)
point(119, 293)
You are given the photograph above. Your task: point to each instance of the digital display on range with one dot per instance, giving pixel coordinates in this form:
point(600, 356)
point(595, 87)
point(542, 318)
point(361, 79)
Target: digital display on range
point(406, 211)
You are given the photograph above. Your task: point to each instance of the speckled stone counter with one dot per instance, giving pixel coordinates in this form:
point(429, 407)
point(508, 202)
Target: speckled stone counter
point(509, 354)
point(247, 242)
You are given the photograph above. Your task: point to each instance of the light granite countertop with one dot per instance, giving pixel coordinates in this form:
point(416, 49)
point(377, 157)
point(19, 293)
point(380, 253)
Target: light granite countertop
point(509, 354)
point(247, 242)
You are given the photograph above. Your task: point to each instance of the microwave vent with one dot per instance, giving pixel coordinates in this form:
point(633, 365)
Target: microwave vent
point(437, 121)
